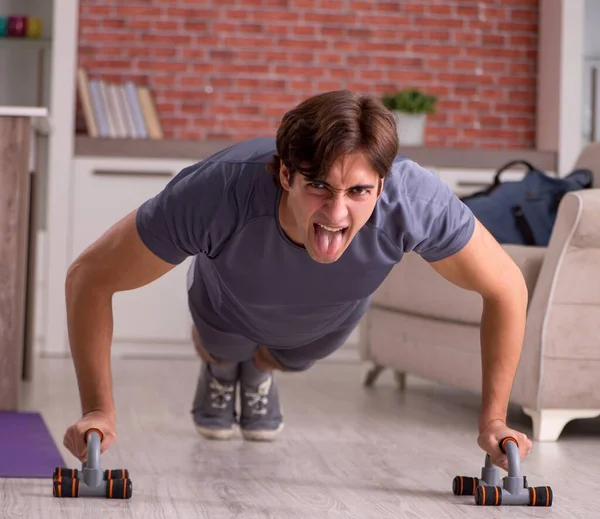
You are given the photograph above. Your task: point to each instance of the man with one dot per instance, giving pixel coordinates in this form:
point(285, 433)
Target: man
point(285, 264)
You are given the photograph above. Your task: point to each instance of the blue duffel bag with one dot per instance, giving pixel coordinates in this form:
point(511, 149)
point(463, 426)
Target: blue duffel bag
point(523, 212)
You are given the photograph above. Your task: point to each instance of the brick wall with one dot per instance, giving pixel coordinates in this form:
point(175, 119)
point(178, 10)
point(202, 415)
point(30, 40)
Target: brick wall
point(231, 68)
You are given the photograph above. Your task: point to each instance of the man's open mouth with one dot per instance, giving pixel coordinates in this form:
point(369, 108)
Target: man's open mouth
point(329, 240)
point(330, 229)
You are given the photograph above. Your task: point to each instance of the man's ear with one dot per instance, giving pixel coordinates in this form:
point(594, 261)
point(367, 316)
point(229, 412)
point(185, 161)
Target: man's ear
point(284, 177)
point(380, 189)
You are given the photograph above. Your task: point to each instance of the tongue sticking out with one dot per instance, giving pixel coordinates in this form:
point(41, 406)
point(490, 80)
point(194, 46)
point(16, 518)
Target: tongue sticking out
point(328, 242)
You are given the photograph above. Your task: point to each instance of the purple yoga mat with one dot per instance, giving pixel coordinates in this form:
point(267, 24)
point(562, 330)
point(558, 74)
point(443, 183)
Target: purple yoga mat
point(26, 448)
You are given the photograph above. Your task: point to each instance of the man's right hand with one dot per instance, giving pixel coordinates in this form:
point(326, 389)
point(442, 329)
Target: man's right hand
point(74, 439)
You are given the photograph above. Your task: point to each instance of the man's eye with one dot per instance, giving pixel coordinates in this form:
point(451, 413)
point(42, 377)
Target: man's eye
point(360, 191)
point(316, 185)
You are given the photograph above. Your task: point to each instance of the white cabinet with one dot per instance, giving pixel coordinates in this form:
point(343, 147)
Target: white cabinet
point(153, 319)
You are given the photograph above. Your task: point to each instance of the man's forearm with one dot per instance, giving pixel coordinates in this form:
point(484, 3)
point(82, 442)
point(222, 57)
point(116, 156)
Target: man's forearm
point(502, 331)
point(90, 325)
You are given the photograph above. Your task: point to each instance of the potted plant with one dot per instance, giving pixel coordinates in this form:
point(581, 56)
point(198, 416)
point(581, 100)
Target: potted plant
point(411, 107)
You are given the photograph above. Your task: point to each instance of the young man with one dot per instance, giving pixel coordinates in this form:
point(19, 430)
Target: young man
point(290, 238)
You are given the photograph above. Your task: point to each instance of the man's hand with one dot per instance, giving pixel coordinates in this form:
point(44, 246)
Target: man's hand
point(74, 439)
point(490, 437)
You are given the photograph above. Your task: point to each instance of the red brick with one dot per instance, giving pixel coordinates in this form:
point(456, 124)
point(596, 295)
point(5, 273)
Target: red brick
point(364, 5)
point(217, 27)
point(97, 10)
point(389, 6)
point(327, 86)
point(302, 44)
point(414, 8)
point(336, 5)
point(394, 20)
point(332, 18)
point(192, 54)
point(129, 11)
point(376, 75)
point(166, 39)
point(466, 37)
point(139, 24)
point(464, 64)
point(204, 68)
point(363, 59)
point(440, 9)
point(275, 16)
point(304, 4)
point(328, 59)
point(304, 30)
point(114, 23)
point(237, 14)
point(162, 66)
point(467, 11)
point(241, 69)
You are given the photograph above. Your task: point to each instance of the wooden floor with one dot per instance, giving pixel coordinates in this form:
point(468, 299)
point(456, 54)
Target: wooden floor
point(346, 452)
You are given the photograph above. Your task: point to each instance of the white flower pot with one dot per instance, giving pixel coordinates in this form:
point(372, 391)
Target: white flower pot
point(411, 128)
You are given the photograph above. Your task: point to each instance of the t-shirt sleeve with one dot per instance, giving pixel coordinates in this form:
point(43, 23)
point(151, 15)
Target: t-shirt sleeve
point(194, 214)
point(436, 223)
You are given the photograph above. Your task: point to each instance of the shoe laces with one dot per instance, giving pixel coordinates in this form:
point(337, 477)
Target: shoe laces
point(258, 400)
point(220, 394)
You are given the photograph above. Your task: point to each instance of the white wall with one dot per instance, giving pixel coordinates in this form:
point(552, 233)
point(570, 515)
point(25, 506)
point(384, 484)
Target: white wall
point(560, 79)
point(591, 56)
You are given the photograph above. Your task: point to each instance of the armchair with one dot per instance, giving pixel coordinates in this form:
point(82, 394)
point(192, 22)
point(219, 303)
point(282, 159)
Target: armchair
point(434, 333)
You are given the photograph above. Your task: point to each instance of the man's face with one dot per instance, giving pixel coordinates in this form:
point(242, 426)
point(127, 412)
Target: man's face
point(324, 216)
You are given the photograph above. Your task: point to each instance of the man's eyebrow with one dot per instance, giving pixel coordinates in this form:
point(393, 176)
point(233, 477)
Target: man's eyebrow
point(357, 186)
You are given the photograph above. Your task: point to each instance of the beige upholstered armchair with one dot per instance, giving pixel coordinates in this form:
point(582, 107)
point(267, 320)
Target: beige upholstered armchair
point(434, 333)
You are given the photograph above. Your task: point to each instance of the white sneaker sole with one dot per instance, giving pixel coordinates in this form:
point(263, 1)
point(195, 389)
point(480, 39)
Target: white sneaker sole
point(258, 435)
point(215, 434)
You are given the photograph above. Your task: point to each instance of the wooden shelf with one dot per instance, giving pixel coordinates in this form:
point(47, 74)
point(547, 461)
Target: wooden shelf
point(195, 150)
point(25, 43)
point(147, 148)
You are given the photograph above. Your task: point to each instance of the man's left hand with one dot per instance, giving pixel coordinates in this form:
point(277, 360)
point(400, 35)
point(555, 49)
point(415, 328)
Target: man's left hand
point(489, 440)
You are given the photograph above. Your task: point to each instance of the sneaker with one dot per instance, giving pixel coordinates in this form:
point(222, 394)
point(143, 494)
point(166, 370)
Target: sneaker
point(261, 418)
point(214, 406)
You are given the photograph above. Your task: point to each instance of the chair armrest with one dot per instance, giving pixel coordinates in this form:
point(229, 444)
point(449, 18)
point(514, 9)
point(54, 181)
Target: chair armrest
point(564, 313)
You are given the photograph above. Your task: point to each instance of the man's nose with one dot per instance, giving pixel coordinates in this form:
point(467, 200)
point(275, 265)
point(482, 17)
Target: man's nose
point(337, 210)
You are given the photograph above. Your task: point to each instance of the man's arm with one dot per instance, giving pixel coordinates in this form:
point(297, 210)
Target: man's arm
point(484, 267)
point(117, 261)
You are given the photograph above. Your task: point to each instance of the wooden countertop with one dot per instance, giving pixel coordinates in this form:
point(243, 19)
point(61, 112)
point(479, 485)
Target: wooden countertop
point(196, 150)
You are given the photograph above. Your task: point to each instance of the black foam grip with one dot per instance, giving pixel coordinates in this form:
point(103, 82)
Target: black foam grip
point(540, 496)
point(116, 474)
point(464, 485)
point(488, 496)
point(65, 487)
point(119, 489)
point(503, 441)
point(65, 472)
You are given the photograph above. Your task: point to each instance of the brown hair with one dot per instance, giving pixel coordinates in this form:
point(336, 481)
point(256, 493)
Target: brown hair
point(328, 126)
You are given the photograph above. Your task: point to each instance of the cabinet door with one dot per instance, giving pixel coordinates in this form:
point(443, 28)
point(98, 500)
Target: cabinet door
point(105, 190)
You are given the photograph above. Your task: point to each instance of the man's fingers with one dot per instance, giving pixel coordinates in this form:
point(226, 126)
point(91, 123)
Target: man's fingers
point(525, 447)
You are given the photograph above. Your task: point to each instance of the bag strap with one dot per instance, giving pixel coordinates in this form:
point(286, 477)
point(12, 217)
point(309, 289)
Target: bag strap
point(510, 165)
point(523, 225)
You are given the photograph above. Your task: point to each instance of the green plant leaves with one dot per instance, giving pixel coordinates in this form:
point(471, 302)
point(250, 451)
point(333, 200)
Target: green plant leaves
point(411, 101)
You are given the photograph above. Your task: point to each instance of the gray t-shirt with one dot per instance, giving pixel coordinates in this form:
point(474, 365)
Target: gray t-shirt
point(250, 279)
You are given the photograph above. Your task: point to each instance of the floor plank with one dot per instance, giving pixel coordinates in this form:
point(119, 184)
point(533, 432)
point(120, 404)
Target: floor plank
point(345, 452)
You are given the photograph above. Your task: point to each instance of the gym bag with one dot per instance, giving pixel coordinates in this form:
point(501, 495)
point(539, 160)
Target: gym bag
point(523, 212)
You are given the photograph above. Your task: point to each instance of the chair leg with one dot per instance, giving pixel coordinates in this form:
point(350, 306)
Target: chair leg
point(373, 375)
point(548, 424)
point(400, 379)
